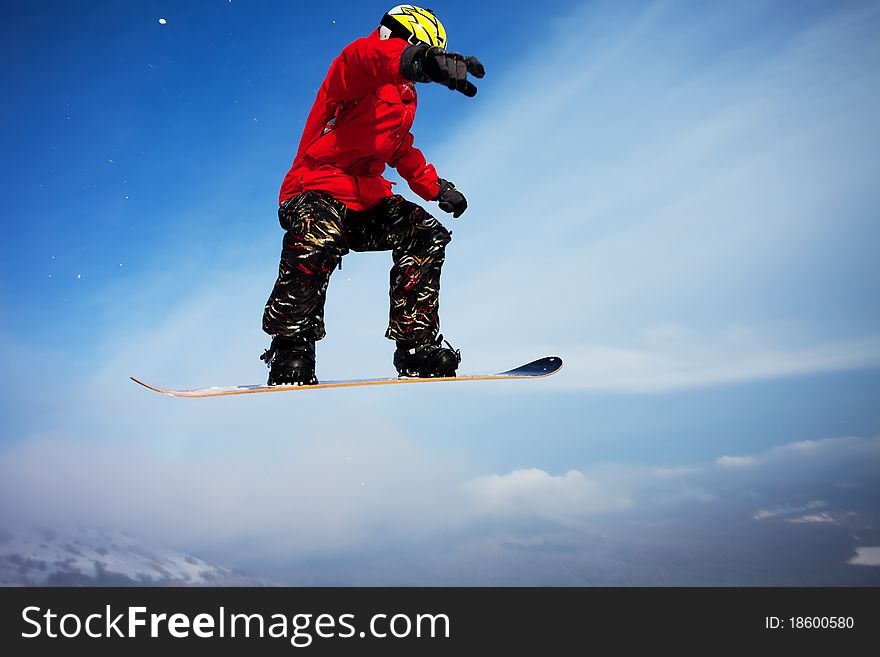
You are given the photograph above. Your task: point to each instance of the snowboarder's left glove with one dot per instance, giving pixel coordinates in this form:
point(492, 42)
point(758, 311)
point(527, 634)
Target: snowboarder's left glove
point(423, 63)
point(450, 199)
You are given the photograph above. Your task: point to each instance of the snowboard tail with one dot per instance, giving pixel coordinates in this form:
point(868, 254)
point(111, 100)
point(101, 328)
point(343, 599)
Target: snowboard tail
point(534, 370)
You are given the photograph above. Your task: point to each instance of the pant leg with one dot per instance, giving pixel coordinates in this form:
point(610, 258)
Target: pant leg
point(313, 243)
point(417, 242)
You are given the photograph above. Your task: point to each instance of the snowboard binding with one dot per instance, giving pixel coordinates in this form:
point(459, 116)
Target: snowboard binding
point(426, 361)
point(291, 361)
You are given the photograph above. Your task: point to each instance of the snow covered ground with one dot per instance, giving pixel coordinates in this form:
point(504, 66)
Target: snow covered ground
point(91, 557)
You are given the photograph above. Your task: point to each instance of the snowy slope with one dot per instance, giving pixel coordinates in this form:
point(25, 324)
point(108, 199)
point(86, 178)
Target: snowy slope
point(90, 557)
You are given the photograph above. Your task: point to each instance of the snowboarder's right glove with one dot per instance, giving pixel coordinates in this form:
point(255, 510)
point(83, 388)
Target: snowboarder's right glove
point(423, 63)
point(450, 199)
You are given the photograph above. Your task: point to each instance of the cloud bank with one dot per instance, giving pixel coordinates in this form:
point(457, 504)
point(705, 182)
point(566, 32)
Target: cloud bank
point(347, 500)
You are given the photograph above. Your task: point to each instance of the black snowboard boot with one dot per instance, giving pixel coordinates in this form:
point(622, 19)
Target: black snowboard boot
point(291, 361)
point(426, 361)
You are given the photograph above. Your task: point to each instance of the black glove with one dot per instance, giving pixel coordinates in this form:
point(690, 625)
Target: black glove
point(450, 199)
point(423, 63)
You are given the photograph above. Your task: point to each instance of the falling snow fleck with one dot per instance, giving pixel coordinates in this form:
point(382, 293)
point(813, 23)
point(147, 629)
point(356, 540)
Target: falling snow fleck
point(162, 21)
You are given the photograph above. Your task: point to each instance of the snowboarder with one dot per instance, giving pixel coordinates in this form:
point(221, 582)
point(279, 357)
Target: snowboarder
point(334, 198)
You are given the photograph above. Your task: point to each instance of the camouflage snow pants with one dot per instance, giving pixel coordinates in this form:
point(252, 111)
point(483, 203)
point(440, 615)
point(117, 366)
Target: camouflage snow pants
point(320, 230)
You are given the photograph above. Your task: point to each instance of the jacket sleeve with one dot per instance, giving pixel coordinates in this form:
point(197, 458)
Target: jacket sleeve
point(364, 65)
point(411, 164)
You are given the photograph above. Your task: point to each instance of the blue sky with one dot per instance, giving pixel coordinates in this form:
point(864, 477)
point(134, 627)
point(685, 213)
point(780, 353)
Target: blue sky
point(679, 198)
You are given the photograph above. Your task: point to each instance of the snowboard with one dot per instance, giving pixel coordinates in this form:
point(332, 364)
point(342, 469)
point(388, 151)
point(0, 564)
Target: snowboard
point(534, 370)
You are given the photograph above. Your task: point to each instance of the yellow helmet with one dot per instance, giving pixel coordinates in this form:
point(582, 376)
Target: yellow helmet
point(413, 24)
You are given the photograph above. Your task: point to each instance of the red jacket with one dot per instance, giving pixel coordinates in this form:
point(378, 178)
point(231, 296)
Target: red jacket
point(360, 122)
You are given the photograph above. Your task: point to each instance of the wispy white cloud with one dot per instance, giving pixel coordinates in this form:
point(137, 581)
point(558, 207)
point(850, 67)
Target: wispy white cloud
point(656, 365)
point(735, 461)
point(815, 518)
point(866, 556)
point(535, 493)
point(817, 448)
point(789, 509)
point(668, 225)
